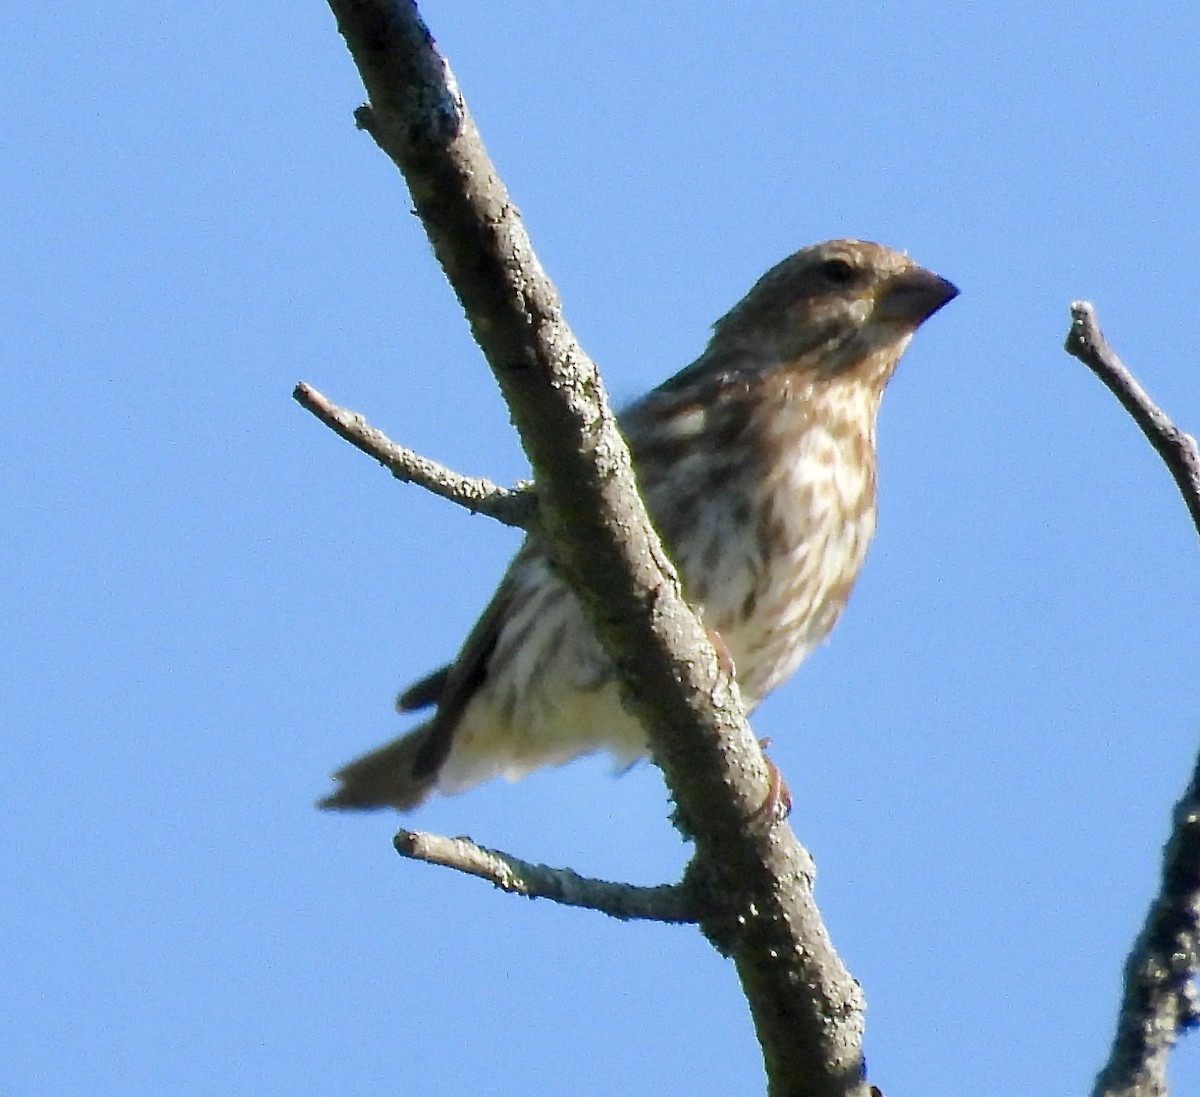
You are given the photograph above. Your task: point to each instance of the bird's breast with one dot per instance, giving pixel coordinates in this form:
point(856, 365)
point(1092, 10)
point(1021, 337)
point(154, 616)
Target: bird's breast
point(774, 556)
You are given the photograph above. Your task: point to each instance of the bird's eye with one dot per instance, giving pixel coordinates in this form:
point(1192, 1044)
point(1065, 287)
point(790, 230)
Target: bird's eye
point(838, 271)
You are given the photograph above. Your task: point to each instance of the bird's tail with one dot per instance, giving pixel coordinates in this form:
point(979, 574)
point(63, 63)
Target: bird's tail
point(387, 777)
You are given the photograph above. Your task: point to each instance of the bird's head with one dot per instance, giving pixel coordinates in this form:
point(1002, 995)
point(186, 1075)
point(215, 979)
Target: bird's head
point(844, 305)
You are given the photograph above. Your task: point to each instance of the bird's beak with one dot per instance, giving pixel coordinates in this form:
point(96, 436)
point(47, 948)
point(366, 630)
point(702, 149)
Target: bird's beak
point(912, 296)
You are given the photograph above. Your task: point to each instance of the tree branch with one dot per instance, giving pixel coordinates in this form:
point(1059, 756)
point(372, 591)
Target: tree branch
point(1177, 449)
point(1160, 1001)
point(513, 508)
point(758, 899)
point(667, 903)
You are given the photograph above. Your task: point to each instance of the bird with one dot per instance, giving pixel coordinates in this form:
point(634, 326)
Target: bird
point(757, 465)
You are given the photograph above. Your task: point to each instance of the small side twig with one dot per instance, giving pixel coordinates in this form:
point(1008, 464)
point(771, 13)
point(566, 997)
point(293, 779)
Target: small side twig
point(512, 507)
point(666, 903)
point(1160, 1002)
point(1177, 449)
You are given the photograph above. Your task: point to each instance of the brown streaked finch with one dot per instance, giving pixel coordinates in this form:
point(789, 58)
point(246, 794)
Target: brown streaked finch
point(757, 465)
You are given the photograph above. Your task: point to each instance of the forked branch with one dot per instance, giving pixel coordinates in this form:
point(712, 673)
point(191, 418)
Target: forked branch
point(757, 880)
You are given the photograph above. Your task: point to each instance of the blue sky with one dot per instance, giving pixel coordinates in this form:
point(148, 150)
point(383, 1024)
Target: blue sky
point(210, 599)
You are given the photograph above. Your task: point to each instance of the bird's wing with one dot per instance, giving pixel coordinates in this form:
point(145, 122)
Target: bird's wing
point(453, 686)
point(428, 691)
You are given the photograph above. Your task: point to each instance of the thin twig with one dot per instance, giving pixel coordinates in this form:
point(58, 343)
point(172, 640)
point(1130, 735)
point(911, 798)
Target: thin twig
point(1160, 1002)
point(666, 903)
point(512, 507)
point(1177, 449)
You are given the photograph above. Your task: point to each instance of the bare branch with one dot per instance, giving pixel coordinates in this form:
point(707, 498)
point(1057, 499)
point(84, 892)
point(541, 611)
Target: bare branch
point(513, 508)
point(1177, 449)
point(667, 903)
point(757, 880)
point(1160, 1001)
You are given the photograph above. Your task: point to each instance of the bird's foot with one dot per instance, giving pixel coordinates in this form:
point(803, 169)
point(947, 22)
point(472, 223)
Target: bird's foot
point(724, 659)
point(777, 794)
